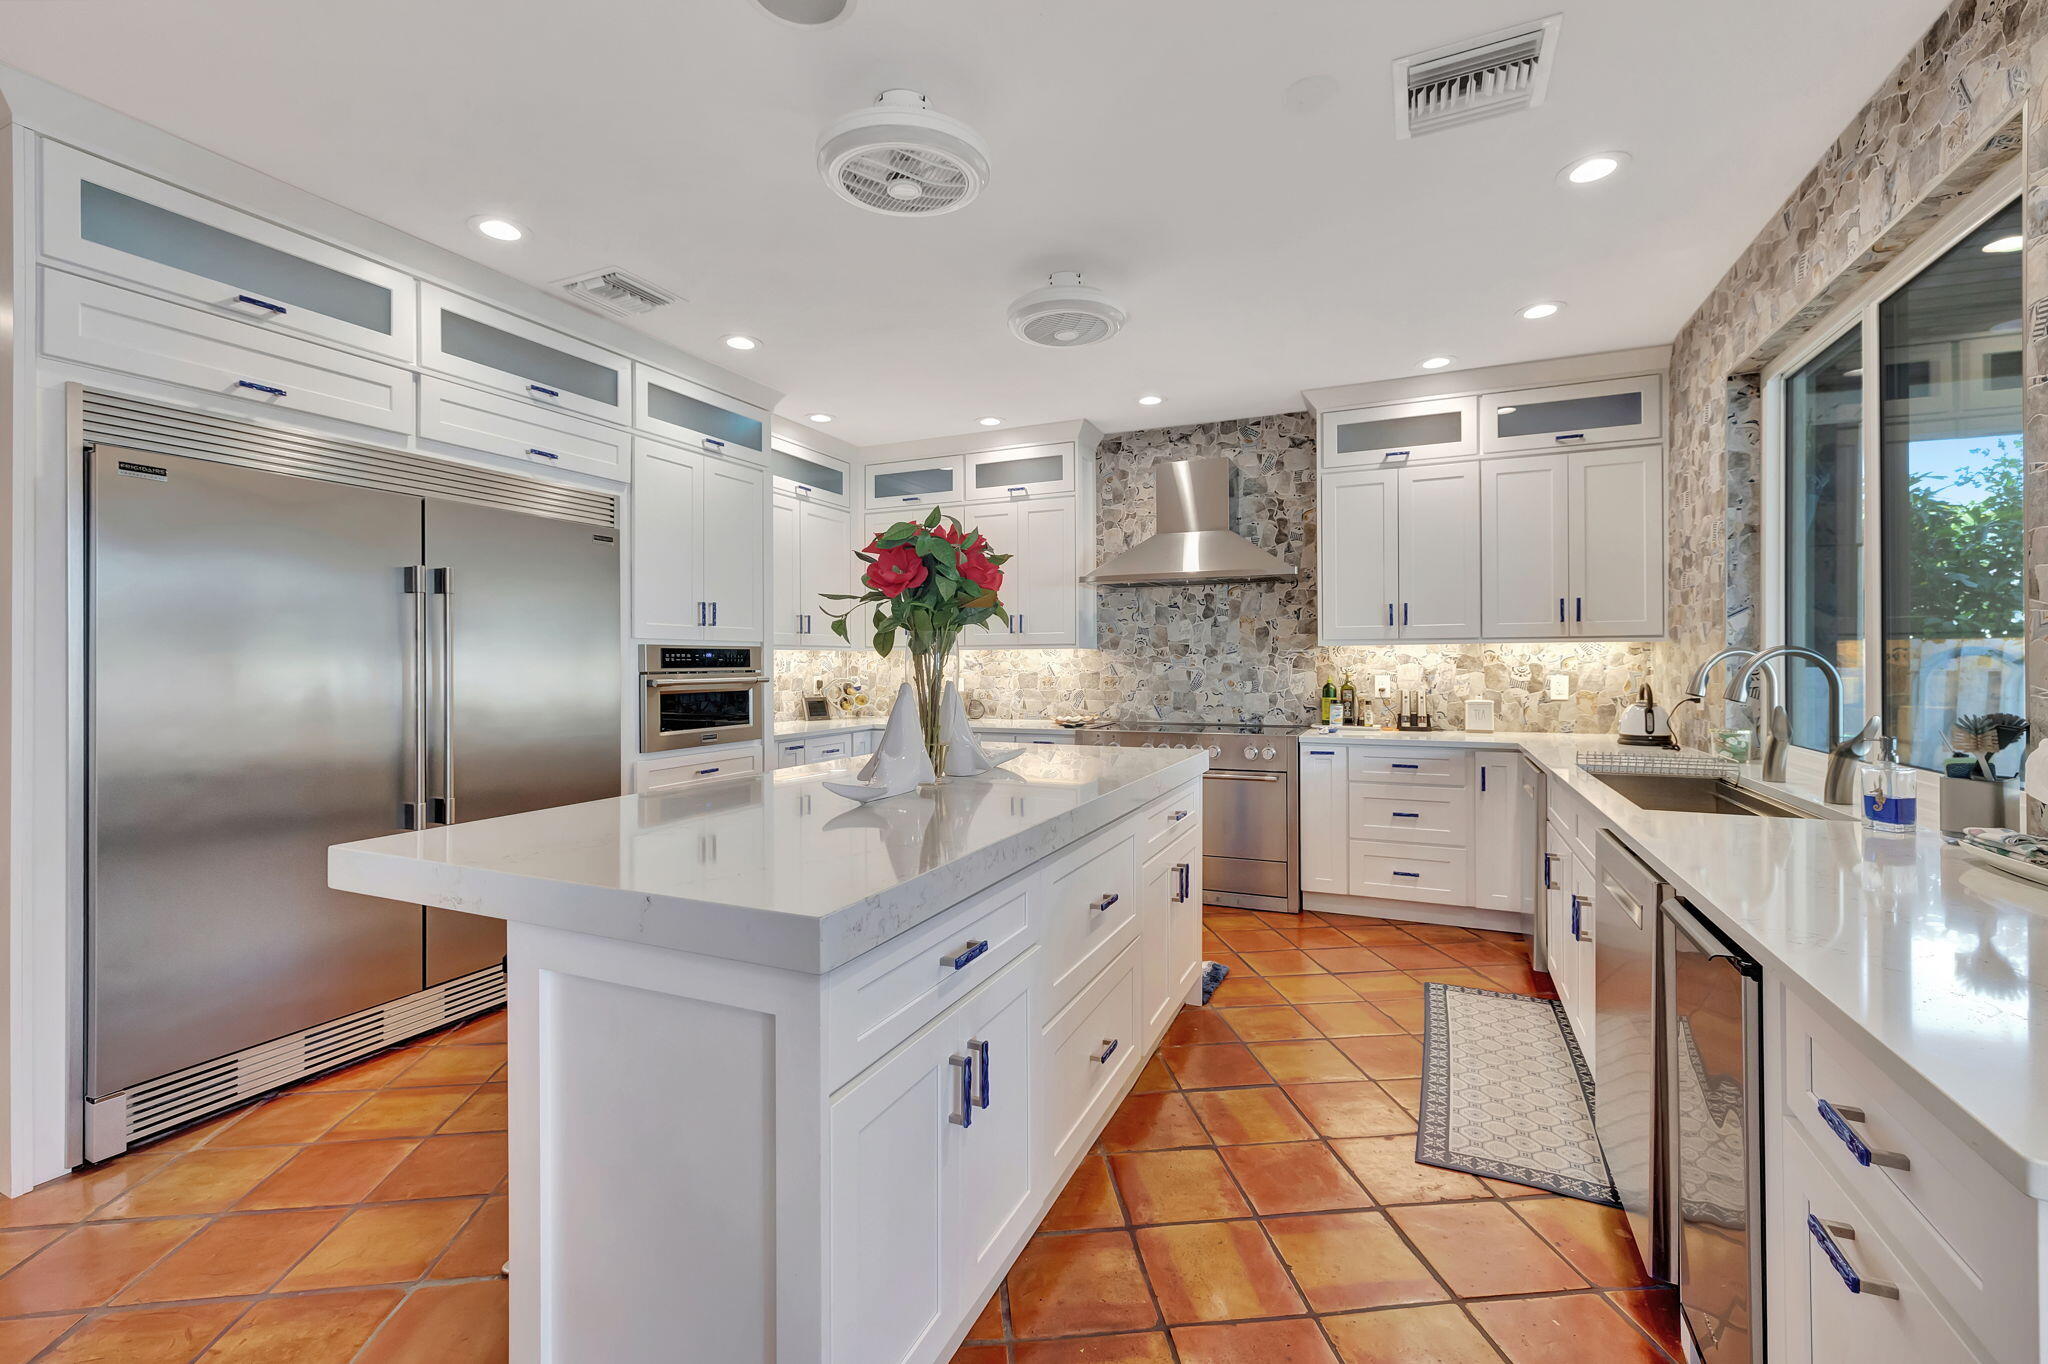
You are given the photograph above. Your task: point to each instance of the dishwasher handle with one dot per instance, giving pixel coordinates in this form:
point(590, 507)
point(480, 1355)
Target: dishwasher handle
point(1707, 938)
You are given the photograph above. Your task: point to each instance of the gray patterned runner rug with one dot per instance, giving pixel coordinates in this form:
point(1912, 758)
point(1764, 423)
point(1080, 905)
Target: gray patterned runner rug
point(1506, 1094)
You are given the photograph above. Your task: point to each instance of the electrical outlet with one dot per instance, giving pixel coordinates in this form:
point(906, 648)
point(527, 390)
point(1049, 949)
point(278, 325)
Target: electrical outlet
point(1560, 686)
point(1382, 684)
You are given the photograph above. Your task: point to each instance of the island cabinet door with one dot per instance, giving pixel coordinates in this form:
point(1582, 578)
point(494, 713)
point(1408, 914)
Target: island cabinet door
point(1169, 908)
point(932, 1177)
point(994, 1196)
point(891, 1276)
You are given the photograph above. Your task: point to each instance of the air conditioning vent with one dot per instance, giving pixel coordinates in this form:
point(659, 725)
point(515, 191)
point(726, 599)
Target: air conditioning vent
point(615, 291)
point(1475, 79)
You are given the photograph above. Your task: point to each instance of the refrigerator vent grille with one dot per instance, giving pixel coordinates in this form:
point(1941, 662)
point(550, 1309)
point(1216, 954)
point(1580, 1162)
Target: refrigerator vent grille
point(137, 424)
point(151, 1109)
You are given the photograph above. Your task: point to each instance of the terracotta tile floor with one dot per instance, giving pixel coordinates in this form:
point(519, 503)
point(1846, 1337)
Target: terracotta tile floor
point(357, 1217)
point(1256, 1199)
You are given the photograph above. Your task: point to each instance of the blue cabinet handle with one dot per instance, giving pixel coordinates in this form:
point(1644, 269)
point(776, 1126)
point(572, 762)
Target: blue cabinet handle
point(1560, 610)
point(974, 949)
point(803, 487)
point(277, 308)
point(713, 445)
point(1578, 608)
point(1482, 780)
point(965, 1117)
point(706, 771)
point(544, 390)
point(1177, 814)
point(1416, 874)
point(1578, 907)
point(1407, 767)
point(982, 1049)
point(1390, 613)
point(1396, 454)
point(1322, 752)
point(1824, 1233)
point(1406, 814)
point(260, 388)
point(1576, 435)
point(1838, 1118)
point(1109, 1046)
point(1105, 902)
point(544, 454)
point(1548, 858)
point(906, 499)
point(1017, 490)
point(1404, 613)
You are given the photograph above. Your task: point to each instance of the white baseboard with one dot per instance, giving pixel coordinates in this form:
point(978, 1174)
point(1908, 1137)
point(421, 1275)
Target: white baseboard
point(1408, 911)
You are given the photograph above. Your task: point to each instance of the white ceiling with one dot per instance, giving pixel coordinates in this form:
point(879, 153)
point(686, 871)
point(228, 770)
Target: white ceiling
point(1260, 248)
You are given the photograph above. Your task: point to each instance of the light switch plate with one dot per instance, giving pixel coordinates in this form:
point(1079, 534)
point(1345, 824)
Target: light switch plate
point(1382, 684)
point(1560, 686)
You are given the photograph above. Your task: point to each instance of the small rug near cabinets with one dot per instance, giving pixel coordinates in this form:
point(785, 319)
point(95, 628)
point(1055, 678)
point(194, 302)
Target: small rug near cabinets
point(1506, 1094)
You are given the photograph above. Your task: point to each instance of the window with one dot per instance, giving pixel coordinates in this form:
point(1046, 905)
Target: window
point(1898, 512)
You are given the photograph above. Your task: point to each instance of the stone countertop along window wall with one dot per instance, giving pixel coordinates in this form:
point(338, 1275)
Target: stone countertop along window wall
point(1239, 651)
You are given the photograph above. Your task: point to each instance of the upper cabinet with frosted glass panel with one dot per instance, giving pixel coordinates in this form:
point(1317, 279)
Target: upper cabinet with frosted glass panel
point(915, 482)
point(1572, 416)
point(1020, 472)
point(699, 417)
point(1394, 434)
point(809, 475)
point(465, 339)
point(103, 217)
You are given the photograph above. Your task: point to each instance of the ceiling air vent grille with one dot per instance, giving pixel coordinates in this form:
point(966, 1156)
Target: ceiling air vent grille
point(615, 291)
point(1474, 79)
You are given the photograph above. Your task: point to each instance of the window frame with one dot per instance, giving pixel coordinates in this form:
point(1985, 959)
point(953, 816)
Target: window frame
point(1861, 308)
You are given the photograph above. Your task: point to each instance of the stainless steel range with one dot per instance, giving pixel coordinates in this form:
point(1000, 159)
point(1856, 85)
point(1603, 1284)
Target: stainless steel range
point(1250, 811)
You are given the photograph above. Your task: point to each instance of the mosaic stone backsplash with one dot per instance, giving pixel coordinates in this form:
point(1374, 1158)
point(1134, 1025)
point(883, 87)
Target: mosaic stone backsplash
point(1239, 651)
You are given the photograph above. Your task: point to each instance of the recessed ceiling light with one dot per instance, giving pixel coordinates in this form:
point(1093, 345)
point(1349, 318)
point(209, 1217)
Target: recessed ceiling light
point(1588, 169)
point(991, 421)
point(819, 417)
point(2002, 245)
point(1537, 311)
point(498, 229)
point(1439, 361)
point(1150, 400)
point(738, 342)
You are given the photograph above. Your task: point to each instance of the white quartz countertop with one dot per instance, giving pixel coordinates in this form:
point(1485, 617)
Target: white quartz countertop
point(814, 729)
point(1903, 939)
point(771, 869)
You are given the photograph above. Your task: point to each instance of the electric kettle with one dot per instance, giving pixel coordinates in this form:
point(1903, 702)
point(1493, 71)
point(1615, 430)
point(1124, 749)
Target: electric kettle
point(1647, 723)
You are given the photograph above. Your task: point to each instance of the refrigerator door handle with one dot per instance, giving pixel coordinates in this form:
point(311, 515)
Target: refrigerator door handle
point(412, 812)
point(441, 807)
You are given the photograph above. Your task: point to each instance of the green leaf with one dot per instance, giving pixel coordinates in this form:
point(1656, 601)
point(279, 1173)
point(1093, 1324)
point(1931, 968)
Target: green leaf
point(885, 640)
point(933, 519)
point(842, 596)
point(839, 628)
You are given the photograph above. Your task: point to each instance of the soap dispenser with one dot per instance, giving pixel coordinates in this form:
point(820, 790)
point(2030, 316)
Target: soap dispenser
point(1890, 790)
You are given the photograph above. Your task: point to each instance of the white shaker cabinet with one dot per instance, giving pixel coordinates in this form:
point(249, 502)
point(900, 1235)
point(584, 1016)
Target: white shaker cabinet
point(700, 546)
point(1526, 537)
point(1325, 855)
point(1501, 855)
point(1041, 584)
point(1439, 553)
point(1394, 434)
point(1170, 926)
point(466, 339)
point(1361, 565)
point(1572, 416)
point(931, 1171)
point(1616, 502)
point(1019, 472)
point(701, 418)
point(813, 556)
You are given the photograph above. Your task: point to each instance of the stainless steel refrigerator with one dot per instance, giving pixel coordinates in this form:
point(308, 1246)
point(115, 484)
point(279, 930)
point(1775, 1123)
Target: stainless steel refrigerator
point(288, 656)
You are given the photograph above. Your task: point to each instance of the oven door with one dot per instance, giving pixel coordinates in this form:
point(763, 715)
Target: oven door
point(696, 711)
point(1245, 832)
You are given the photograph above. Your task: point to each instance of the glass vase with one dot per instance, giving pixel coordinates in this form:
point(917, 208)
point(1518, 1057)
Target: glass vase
point(928, 684)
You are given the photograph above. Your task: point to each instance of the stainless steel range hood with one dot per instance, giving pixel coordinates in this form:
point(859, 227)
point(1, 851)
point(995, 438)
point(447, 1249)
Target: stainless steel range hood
point(1194, 542)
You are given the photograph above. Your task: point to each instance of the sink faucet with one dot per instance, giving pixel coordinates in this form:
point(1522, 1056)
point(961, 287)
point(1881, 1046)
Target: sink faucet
point(1842, 752)
point(1773, 727)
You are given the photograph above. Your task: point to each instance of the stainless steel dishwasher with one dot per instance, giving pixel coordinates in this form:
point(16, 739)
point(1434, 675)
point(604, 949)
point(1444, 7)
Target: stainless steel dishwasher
point(1627, 1041)
point(1712, 1015)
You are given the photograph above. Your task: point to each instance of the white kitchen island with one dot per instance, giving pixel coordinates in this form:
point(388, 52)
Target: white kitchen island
point(793, 1079)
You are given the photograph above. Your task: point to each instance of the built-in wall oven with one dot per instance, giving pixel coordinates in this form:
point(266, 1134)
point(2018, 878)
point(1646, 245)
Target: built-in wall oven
point(692, 695)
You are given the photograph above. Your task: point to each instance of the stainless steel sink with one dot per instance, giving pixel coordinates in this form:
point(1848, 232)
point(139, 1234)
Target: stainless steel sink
point(1699, 796)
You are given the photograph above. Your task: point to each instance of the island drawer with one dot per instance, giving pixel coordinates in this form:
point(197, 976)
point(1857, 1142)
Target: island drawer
point(1162, 820)
point(886, 995)
point(1409, 766)
point(1433, 875)
point(1971, 1232)
point(1415, 814)
point(1085, 1053)
point(1091, 911)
